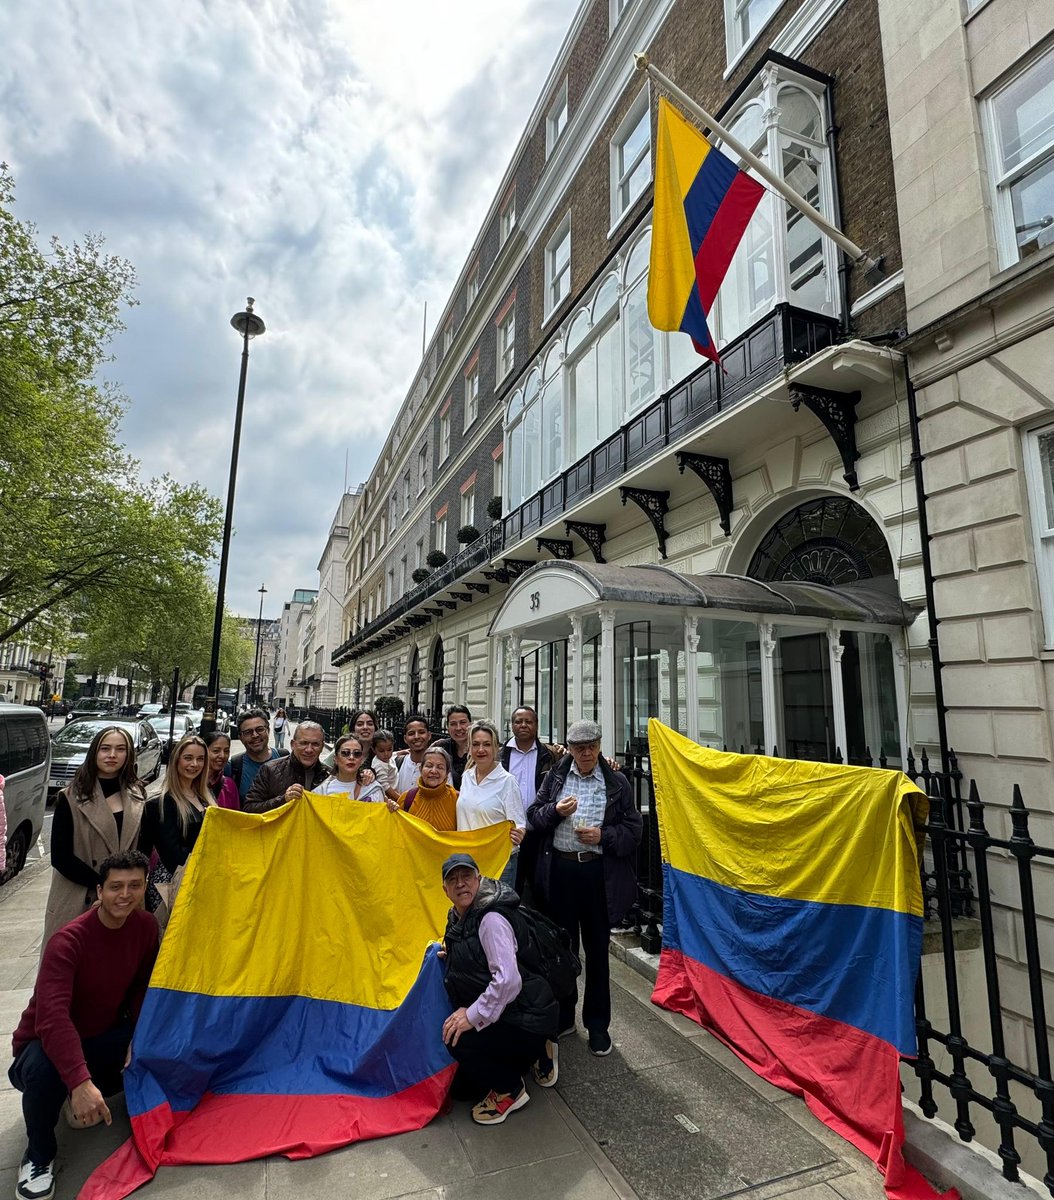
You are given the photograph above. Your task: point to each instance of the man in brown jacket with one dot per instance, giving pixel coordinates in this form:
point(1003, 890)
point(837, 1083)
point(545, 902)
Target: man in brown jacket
point(286, 779)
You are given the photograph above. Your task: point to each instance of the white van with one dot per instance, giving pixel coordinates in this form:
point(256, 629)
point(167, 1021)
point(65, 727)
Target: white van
point(25, 757)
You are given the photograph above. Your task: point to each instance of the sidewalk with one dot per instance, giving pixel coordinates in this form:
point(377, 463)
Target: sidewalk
point(669, 1114)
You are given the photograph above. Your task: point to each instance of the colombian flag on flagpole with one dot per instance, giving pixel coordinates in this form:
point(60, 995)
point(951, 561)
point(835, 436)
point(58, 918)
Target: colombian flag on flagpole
point(296, 1004)
point(703, 203)
point(792, 928)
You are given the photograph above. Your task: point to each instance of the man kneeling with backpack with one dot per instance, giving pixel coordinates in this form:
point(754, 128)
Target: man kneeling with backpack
point(501, 965)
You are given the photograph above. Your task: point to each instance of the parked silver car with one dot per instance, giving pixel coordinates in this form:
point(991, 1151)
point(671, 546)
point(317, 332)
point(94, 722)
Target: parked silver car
point(170, 727)
point(69, 748)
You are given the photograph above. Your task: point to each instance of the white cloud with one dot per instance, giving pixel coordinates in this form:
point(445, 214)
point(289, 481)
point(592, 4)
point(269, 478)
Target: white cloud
point(333, 159)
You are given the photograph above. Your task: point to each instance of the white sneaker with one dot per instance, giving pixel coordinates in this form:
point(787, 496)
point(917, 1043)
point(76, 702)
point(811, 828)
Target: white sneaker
point(35, 1181)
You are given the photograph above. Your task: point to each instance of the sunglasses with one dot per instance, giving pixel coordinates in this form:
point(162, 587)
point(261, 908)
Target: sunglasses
point(349, 753)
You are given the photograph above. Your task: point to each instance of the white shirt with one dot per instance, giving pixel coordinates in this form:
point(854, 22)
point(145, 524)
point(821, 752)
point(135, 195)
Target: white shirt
point(409, 773)
point(522, 767)
point(497, 798)
point(371, 792)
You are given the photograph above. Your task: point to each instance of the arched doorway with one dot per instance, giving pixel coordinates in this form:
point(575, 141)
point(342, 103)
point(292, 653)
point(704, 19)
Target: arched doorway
point(438, 680)
point(415, 681)
point(834, 541)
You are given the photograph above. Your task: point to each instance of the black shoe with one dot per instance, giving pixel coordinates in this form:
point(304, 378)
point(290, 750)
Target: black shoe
point(571, 1029)
point(599, 1043)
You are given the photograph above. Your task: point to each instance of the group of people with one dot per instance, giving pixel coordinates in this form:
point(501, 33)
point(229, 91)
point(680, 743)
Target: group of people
point(118, 858)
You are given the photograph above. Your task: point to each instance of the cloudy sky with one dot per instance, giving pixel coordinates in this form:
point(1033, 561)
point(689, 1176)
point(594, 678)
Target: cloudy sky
point(331, 158)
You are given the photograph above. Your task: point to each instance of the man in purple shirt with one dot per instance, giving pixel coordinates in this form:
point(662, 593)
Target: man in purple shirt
point(505, 1016)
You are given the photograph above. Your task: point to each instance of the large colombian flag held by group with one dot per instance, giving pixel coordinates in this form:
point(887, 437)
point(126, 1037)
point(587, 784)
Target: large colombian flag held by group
point(792, 928)
point(290, 1011)
point(703, 204)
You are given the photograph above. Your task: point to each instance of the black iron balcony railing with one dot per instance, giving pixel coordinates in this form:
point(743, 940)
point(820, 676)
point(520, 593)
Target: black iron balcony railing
point(469, 558)
point(784, 337)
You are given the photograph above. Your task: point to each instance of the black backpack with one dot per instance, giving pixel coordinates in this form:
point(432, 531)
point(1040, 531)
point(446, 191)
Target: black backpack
point(548, 951)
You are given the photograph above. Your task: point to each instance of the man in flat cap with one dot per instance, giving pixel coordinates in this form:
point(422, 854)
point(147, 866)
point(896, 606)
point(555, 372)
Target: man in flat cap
point(504, 1024)
point(589, 830)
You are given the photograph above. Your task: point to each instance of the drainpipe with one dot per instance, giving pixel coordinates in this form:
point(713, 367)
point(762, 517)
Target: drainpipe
point(917, 459)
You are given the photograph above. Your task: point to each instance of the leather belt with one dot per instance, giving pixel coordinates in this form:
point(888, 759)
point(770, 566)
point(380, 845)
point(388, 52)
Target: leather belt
point(582, 856)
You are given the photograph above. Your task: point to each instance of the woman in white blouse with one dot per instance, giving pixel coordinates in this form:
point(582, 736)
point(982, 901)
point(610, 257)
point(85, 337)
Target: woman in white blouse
point(489, 794)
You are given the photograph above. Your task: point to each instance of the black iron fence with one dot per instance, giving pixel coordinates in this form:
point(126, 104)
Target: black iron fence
point(335, 720)
point(982, 1071)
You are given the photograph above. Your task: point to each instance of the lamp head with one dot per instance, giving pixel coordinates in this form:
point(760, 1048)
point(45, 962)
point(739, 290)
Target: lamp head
point(247, 323)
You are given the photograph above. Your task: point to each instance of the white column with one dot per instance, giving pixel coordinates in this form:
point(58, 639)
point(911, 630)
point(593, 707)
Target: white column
point(575, 668)
point(608, 680)
point(691, 676)
point(767, 634)
point(515, 642)
point(901, 667)
point(497, 691)
point(836, 650)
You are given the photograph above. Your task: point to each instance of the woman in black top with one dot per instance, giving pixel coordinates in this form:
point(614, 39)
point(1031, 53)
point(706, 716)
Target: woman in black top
point(173, 822)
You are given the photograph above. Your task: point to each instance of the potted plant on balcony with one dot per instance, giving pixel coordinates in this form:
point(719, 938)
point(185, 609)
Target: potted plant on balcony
point(435, 558)
point(466, 534)
point(420, 574)
point(494, 508)
point(389, 709)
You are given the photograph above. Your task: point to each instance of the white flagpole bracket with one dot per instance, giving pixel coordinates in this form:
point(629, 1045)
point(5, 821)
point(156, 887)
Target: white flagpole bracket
point(858, 257)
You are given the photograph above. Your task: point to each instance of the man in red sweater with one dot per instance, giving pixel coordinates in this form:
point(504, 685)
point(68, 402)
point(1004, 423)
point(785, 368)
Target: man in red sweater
point(74, 1039)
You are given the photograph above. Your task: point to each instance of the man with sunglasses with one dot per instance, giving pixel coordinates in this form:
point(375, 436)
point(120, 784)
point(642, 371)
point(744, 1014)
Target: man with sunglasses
point(253, 731)
point(286, 779)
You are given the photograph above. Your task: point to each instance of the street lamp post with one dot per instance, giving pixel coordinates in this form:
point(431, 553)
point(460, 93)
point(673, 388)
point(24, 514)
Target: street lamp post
point(249, 325)
point(262, 589)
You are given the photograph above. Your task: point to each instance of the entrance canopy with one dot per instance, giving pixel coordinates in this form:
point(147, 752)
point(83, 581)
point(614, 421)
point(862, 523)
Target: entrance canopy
point(805, 670)
point(556, 590)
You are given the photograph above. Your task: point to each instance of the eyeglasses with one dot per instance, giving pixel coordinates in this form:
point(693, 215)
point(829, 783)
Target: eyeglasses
point(349, 754)
point(247, 733)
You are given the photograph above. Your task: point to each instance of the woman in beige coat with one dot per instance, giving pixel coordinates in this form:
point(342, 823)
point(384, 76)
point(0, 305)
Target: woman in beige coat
point(98, 815)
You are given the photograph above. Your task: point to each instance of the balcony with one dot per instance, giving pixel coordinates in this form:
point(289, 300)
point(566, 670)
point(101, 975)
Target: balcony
point(470, 558)
point(784, 338)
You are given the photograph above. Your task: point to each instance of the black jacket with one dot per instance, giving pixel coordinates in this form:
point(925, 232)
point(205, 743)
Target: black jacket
point(620, 835)
point(542, 764)
point(535, 1009)
point(272, 779)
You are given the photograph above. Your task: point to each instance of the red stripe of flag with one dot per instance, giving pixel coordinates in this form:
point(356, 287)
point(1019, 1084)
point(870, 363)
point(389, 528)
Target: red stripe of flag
point(719, 245)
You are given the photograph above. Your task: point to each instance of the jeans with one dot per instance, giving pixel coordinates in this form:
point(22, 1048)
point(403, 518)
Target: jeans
point(509, 874)
point(43, 1092)
point(279, 738)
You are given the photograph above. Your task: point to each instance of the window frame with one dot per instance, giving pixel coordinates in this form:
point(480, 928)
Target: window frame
point(1002, 180)
point(472, 285)
point(506, 345)
point(557, 279)
point(617, 9)
point(639, 110)
point(556, 118)
point(507, 217)
point(734, 49)
point(444, 434)
point(1042, 533)
point(472, 393)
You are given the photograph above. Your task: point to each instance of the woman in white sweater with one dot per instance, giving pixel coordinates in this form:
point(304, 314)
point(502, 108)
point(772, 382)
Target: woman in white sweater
point(489, 794)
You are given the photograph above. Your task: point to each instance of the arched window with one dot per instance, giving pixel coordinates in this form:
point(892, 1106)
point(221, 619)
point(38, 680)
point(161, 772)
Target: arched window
point(606, 298)
point(637, 261)
point(415, 681)
point(578, 332)
point(832, 540)
point(783, 256)
point(438, 679)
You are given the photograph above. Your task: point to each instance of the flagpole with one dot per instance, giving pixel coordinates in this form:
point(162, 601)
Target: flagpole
point(859, 257)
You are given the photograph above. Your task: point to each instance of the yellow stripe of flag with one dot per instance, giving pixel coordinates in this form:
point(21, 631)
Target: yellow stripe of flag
point(289, 883)
point(778, 827)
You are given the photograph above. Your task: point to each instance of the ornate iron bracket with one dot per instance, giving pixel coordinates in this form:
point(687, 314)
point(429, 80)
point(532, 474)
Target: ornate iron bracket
point(593, 535)
point(517, 566)
point(837, 412)
point(715, 474)
point(434, 612)
point(557, 547)
point(654, 505)
point(417, 620)
point(499, 575)
point(449, 605)
point(482, 588)
point(465, 597)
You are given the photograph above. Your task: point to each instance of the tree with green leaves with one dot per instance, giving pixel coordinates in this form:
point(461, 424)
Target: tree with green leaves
point(78, 527)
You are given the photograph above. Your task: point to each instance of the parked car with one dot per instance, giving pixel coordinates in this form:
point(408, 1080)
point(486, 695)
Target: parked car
point(197, 715)
point(25, 754)
point(148, 710)
point(70, 746)
point(170, 727)
point(90, 708)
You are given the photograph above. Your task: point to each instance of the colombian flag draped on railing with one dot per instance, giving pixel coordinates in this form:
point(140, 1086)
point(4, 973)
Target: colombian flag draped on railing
point(703, 203)
point(792, 928)
point(290, 1011)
